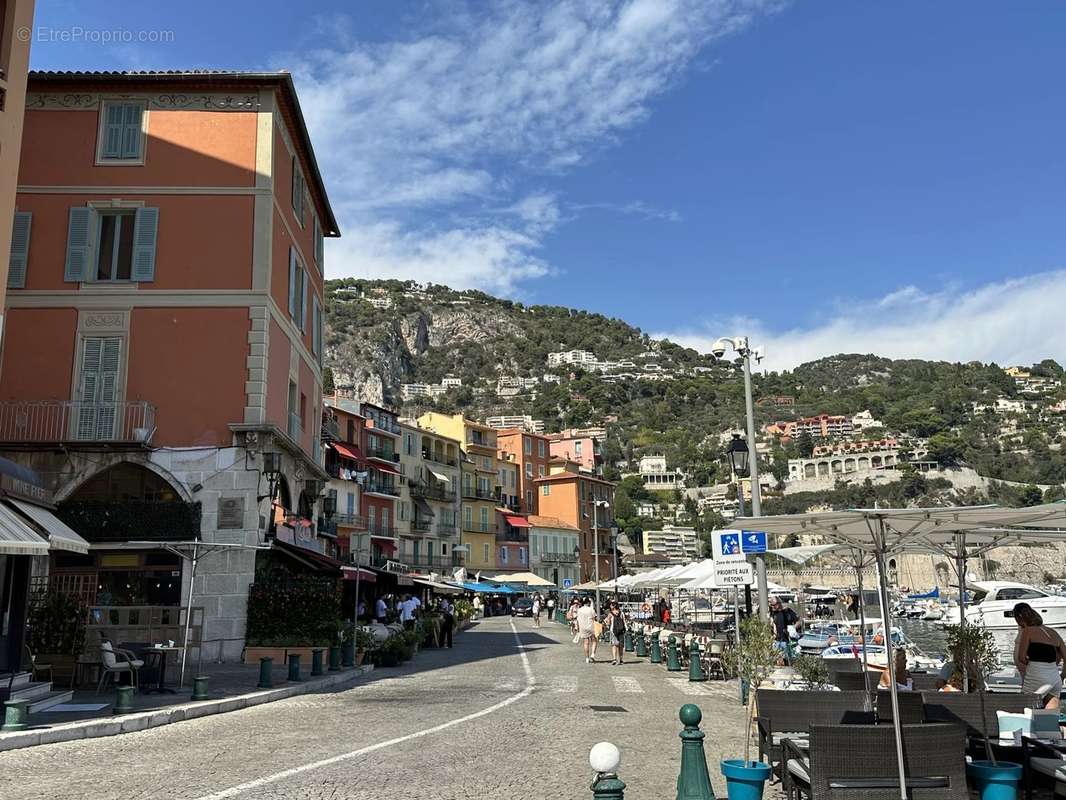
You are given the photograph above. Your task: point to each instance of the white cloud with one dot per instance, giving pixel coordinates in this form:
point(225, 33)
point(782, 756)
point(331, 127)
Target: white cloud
point(1015, 321)
point(448, 120)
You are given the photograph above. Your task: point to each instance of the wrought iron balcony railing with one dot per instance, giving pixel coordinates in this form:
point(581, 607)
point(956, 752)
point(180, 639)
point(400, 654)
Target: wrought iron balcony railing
point(50, 421)
point(432, 492)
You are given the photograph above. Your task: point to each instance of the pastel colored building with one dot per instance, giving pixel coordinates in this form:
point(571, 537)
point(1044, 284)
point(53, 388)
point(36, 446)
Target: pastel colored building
point(162, 358)
point(578, 446)
point(586, 502)
point(531, 452)
point(428, 508)
point(554, 550)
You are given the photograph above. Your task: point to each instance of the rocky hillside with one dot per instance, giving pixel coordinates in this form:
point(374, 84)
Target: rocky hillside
point(664, 398)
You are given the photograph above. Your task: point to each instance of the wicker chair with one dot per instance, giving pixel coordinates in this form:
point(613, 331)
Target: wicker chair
point(783, 714)
point(853, 681)
point(911, 707)
point(859, 761)
point(836, 665)
point(965, 709)
point(925, 681)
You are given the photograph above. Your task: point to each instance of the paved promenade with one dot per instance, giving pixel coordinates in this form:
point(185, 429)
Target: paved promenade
point(506, 713)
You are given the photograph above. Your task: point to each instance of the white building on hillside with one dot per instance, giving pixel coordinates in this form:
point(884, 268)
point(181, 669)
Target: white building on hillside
point(576, 357)
point(679, 544)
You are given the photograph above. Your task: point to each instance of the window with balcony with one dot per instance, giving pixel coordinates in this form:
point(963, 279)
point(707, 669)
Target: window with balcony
point(294, 412)
point(521, 555)
point(541, 471)
point(299, 289)
point(484, 519)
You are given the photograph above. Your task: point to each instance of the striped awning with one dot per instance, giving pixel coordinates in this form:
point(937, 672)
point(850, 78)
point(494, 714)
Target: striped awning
point(60, 535)
point(17, 538)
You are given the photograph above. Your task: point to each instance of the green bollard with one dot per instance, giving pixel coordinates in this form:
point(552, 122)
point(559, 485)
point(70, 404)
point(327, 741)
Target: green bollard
point(628, 644)
point(642, 645)
point(199, 688)
point(316, 663)
point(335, 658)
point(123, 700)
point(673, 663)
point(266, 673)
point(604, 758)
point(693, 782)
point(16, 712)
point(656, 653)
point(695, 668)
point(294, 667)
point(348, 655)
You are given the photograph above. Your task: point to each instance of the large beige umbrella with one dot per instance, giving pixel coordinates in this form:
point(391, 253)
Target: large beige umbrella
point(528, 578)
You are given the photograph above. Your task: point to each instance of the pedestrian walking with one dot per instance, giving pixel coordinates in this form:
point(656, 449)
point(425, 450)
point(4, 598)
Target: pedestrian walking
point(477, 606)
point(783, 619)
point(448, 625)
point(536, 611)
point(551, 606)
point(586, 630)
point(380, 610)
point(616, 624)
point(407, 612)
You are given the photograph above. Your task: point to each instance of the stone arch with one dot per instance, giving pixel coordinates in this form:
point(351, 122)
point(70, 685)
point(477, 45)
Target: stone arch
point(837, 466)
point(67, 491)
point(810, 470)
point(875, 462)
point(823, 469)
point(849, 465)
point(890, 460)
point(864, 462)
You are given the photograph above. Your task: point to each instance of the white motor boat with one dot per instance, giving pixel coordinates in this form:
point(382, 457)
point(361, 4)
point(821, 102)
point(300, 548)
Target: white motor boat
point(993, 604)
point(933, 612)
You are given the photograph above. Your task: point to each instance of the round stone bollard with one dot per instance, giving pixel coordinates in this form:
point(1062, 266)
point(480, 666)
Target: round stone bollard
point(693, 782)
point(673, 663)
point(628, 644)
point(294, 667)
point(656, 653)
point(642, 645)
point(316, 663)
point(266, 673)
point(16, 712)
point(199, 688)
point(123, 700)
point(335, 658)
point(695, 668)
point(604, 758)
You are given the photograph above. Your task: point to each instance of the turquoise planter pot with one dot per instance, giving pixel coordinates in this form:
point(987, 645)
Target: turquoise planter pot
point(745, 781)
point(995, 780)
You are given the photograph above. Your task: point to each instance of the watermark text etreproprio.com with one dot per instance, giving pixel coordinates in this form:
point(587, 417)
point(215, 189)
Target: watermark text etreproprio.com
point(76, 34)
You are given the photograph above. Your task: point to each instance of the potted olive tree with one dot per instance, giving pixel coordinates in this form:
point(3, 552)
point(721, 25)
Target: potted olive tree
point(976, 655)
point(812, 671)
point(753, 658)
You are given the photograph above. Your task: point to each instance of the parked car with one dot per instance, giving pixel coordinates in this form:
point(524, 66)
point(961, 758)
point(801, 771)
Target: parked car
point(522, 607)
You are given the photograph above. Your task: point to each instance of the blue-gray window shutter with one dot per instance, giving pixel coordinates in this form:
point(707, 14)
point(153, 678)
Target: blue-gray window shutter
point(292, 283)
point(20, 250)
point(81, 234)
point(316, 328)
point(131, 130)
point(144, 237)
point(304, 286)
point(114, 115)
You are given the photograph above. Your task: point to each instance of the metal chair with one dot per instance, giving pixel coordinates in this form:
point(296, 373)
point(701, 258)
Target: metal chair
point(713, 659)
point(110, 655)
point(36, 667)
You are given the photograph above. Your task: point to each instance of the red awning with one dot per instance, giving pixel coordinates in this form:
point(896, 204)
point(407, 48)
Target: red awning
point(345, 451)
point(386, 543)
point(382, 467)
point(516, 521)
point(365, 575)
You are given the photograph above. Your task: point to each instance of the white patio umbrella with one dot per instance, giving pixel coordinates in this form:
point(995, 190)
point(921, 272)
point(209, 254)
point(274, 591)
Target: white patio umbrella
point(959, 532)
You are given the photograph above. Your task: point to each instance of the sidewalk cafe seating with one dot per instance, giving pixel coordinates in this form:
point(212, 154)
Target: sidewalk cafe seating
point(859, 761)
point(911, 707)
point(117, 661)
point(853, 681)
point(965, 709)
point(782, 714)
point(1045, 764)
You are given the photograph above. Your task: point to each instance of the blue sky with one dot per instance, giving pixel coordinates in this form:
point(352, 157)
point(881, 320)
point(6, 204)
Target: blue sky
point(827, 176)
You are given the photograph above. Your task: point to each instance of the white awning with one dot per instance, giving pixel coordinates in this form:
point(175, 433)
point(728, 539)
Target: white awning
point(440, 476)
point(17, 538)
point(60, 535)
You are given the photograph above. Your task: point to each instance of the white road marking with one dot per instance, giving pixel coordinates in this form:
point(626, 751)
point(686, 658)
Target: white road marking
point(626, 685)
point(685, 687)
point(234, 791)
point(564, 683)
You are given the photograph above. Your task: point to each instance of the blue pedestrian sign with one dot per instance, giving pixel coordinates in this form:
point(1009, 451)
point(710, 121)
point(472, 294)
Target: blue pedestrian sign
point(567, 583)
point(753, 542)
point(730, 544)
point(726, 546)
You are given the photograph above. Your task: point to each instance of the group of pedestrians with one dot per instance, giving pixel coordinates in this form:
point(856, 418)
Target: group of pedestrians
point(587, 627)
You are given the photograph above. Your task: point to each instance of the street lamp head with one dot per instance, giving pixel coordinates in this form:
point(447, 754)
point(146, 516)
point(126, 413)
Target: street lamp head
point(738, 455)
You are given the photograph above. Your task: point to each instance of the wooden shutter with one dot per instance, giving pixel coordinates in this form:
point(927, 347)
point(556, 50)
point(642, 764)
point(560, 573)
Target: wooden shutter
point(114, 115)
point(292, 283)
point(20, 250)
point(316, 327)
point(98, 388)
point(81, 235)
point(304, 286)
point(131, 130)
point(144, 237)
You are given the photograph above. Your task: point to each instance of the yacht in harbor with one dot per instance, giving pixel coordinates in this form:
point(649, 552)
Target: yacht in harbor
point(993, 604)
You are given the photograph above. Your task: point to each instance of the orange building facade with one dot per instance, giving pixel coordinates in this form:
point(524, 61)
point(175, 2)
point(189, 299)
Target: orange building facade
point(168, 321)
point(531, 453)
point(586, 502)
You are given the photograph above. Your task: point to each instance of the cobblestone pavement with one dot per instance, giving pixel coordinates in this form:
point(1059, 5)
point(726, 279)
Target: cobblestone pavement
point(484, 720)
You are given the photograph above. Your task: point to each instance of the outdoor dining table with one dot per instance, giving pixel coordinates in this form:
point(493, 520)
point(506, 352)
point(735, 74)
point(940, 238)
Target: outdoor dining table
point(160, 652)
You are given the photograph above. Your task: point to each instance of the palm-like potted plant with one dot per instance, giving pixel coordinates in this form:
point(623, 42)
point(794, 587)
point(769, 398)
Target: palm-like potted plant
point(976, 655)
point(753, 658)
point(365, 643)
